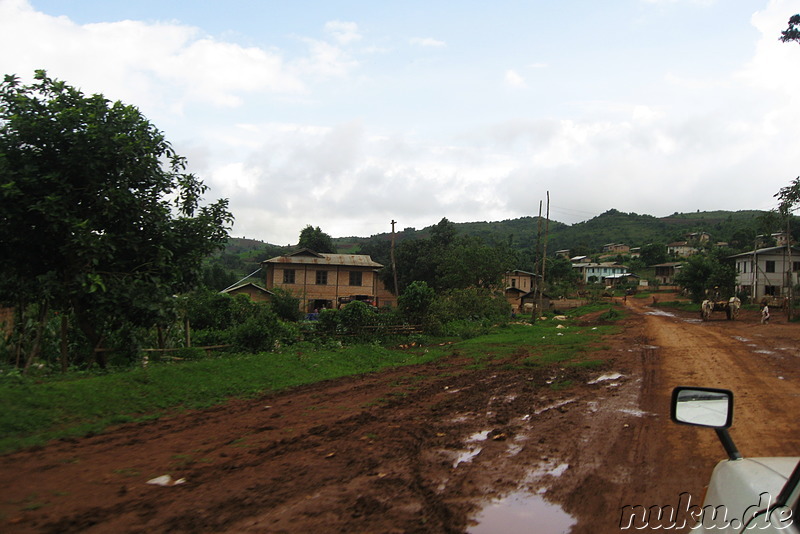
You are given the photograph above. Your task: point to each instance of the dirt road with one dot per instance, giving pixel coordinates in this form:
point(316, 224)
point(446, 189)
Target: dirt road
point(433, 448)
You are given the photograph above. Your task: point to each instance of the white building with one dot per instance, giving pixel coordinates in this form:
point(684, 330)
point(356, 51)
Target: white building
point(598, 272)
point(767, 271)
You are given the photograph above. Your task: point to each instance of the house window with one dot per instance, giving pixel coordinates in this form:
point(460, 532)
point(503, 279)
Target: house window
point(772, 290)
point(513, 282)
point(355, 278)
point(322, 278)
point(795, 266)
point(770, 268)
point(288, 276)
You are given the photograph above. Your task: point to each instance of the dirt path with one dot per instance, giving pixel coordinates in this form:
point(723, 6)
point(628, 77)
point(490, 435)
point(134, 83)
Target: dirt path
point(430, 448)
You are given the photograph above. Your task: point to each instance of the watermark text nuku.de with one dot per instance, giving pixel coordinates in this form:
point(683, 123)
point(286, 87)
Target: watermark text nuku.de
point(758, 516)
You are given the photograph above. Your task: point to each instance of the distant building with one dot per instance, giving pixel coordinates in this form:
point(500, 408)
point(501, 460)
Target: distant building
point(681, 249)
point(665, 272)
point(598, 272)
point(616, 248)
point(517, 285)
point(767, 271)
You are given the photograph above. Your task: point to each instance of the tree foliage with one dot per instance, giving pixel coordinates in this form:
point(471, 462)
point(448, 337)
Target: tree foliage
point(446, 260)
point(98, 215)
point(704, 273)
point(315, 239)
point(792, 32)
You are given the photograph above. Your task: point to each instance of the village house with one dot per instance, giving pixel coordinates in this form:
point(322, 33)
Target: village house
point(766, 271)
point(665, 272)
point(517, 285)
point(681, 249)
point(598, 272)
point(616, 248)
point(322, 280)
point(692, 244)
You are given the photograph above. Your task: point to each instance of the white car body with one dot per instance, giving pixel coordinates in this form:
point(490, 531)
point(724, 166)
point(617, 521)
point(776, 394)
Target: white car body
point(744, 494)
point(740, 492)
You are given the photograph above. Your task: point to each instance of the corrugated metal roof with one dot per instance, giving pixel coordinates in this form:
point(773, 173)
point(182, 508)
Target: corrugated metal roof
point(348, 260)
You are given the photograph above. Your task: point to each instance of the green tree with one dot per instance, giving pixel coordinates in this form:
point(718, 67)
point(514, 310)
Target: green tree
point(315, 239)
point(704, 273)
point(653, 253)
point(468, 262)
point(97, 214)
point(792, 32)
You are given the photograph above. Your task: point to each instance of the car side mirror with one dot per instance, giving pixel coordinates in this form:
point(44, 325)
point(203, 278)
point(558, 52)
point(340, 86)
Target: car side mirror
point(707, 407)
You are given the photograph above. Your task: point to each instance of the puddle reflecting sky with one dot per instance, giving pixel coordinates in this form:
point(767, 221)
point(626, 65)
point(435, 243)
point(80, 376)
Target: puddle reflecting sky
point(521, 513)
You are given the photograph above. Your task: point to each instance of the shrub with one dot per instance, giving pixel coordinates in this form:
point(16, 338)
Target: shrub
point(285, 305)
point(355, 316)
point(415, 301)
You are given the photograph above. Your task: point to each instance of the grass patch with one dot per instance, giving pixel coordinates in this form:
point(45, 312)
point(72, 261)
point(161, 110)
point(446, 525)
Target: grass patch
point(40, 409)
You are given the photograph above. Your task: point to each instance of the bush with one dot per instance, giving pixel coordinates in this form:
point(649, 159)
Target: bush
point(253, 336)
point(285, 305)
point(355, 316)
point(415, 301)
point(470, 304)
point(208, 309)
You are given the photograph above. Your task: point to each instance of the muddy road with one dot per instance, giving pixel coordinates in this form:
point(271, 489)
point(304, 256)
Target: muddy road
point(440, 447)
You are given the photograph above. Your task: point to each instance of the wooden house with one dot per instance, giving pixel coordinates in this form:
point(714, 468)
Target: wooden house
point(322, 280)
point(517, 284)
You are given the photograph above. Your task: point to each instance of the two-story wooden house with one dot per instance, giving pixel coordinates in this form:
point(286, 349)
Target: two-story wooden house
point(323, 280)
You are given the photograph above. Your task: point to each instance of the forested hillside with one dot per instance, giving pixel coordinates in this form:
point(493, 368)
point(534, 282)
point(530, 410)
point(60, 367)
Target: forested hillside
point(737, 228)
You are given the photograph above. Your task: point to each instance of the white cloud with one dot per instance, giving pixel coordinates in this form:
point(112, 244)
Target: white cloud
point(291, 141)
point(325, 61)
point(165, 65)
point(513, 79)
point(343, 32)
point(427, 42)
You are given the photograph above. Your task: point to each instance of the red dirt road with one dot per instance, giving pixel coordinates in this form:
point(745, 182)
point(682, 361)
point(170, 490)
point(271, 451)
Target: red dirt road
point(431, 448)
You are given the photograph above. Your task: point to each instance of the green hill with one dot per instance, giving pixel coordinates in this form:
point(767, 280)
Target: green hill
point(736, 228)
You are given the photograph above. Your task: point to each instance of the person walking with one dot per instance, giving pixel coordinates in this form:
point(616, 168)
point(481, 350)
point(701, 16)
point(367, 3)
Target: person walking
point(765, 314)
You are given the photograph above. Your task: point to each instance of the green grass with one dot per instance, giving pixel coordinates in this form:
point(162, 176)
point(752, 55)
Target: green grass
point(36, 410)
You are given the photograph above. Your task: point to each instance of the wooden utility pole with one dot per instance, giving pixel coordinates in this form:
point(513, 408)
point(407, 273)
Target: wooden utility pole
point(534, 313)
point(394, 265)
point(790, 293)
point(540, 303)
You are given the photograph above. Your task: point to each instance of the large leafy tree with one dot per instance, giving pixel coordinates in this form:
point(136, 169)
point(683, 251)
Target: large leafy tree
point(706, 273)
point(317, 240)
point(97, 214)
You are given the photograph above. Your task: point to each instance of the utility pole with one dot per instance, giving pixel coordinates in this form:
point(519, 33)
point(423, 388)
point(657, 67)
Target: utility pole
point(790, 293)
point(540, 304)
point(394, 265)
point(534, 313)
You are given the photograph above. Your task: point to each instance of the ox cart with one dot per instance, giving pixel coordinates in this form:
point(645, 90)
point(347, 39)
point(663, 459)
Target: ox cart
point(730, 307)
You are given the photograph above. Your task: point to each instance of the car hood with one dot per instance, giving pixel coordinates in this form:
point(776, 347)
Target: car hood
point(747, 485)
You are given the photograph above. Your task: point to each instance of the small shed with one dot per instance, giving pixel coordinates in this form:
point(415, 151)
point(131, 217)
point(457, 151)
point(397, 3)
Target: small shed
point(254, 292)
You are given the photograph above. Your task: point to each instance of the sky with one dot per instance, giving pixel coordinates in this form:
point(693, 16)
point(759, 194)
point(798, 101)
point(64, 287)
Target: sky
point(349, 114)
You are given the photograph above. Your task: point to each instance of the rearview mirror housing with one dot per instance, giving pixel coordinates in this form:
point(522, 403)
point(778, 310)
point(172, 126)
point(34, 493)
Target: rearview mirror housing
point(698, 406)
